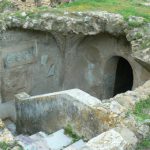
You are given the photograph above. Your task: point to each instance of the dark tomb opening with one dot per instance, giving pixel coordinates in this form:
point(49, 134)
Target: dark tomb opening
point(124, 77)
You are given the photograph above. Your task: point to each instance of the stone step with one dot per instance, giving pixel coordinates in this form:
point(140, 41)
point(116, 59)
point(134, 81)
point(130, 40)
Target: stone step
point(38, 136)
point(58, 140)
point(30, 143)
point(76, 146)
point(24, 140)
point(41, 141)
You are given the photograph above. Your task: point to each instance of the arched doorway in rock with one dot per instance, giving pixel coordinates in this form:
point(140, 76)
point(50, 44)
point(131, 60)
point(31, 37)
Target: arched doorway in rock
point(118, 76)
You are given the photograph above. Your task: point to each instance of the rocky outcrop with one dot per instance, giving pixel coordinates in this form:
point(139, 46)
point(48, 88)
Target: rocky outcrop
point(89, 23)
point(140, 42)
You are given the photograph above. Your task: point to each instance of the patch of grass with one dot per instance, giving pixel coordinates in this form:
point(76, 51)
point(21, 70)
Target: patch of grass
point(134, 24)
point(18, 15)
point(125, 7)
point(145, 44)
point(69, 131)
point(5, 4)
point(8, 146)
point(4, 146)
point(141, 109)
point(144, 144)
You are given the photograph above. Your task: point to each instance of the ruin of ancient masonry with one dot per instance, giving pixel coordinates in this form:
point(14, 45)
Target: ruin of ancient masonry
point(97, 53)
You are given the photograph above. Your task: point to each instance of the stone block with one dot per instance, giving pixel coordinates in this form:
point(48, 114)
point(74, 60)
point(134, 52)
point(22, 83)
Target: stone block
point(114, 139)
point(22, 96)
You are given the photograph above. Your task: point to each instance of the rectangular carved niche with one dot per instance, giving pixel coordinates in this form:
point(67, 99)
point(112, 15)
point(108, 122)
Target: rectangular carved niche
point(19, 58)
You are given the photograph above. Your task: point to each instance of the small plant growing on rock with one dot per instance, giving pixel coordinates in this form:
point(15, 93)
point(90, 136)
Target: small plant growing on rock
point(142, 110)
point(142, 114)
point(144, 144)
point(10, 146)
point(69, 131)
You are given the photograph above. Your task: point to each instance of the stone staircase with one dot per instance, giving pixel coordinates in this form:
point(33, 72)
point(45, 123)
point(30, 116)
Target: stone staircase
point(43, 141)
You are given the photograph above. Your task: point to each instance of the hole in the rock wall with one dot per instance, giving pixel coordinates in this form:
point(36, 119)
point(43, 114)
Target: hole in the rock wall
point(123, 77)
point(118, 76)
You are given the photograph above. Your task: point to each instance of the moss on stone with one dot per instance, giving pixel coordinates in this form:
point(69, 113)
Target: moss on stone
point(144, 144)
point(134, 24)
point(69, 131)
point(141, 109)
point(9, 146)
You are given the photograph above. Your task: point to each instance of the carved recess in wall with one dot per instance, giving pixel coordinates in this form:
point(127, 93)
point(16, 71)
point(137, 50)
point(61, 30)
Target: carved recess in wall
point(15, 59)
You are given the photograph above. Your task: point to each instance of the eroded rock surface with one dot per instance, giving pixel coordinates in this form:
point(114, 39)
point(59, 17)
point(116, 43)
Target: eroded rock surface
point(113, 139)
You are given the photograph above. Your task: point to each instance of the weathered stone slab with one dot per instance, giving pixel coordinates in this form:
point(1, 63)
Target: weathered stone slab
point(38, 136)
point(30, 144)
point(58, 140)
point(76, 146)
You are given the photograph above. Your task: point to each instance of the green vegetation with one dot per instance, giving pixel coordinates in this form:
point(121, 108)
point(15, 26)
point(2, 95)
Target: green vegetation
point(142, 110)
point(125, 7)
point(144, 144)
point(7, 146)
point(69, 131)
point(134, 24)
point(145, 44)
point(5, 4)
point(4, 146)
